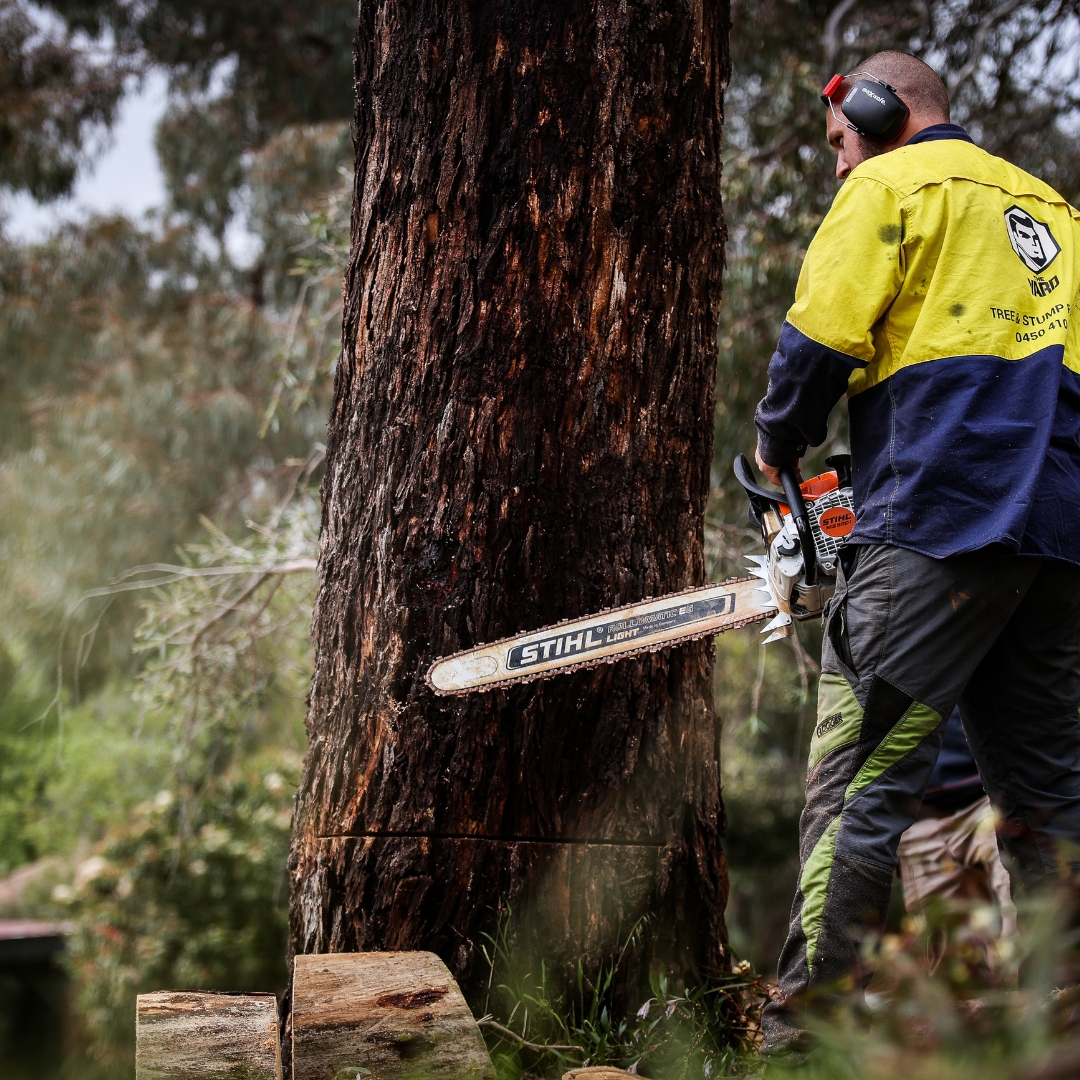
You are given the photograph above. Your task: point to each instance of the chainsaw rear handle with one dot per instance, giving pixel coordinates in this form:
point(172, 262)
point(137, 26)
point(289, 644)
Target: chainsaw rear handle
point(797, 504)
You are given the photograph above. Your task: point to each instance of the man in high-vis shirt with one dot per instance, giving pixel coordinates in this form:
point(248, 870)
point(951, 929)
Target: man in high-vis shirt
point(937, 294)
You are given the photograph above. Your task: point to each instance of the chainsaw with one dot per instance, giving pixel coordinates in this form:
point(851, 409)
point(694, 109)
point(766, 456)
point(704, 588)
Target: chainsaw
point(802, 528)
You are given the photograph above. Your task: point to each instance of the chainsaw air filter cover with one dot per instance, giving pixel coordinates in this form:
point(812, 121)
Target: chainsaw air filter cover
point(832, 517)
point(831, 510)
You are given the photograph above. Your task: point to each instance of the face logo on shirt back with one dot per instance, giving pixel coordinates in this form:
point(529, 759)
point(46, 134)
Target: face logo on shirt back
point(1032, 240)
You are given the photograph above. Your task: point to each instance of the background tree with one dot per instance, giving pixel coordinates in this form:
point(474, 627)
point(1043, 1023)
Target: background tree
point(55, 94)
point(238, 73)
point(521, 432)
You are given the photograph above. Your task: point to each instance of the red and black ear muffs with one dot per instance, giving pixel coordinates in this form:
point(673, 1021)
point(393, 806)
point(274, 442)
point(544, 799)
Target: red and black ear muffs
point(871, 107)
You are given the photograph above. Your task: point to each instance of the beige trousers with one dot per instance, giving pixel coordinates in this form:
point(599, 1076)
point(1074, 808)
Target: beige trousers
point(956, 857)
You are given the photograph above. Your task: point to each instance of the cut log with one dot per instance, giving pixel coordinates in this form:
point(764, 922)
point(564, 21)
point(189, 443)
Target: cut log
point(380, 1016)
point(596, 1072)
point(182, 1035)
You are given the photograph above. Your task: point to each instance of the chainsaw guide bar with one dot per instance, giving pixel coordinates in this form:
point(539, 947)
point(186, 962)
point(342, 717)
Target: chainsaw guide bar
point(604, 638)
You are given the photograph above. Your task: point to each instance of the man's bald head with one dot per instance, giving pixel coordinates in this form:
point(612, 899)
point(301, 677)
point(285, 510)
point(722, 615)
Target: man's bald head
point(919, 86)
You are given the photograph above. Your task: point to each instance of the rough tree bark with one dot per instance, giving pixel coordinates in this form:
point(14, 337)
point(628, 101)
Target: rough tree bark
point(521, 433)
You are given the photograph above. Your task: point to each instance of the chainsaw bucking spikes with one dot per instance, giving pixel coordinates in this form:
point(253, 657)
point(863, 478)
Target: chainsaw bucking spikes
point(758, 566)
point(779, 627)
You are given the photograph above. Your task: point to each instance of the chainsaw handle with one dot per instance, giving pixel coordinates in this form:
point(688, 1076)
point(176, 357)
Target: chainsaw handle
point(744, 473)
point(797, 505)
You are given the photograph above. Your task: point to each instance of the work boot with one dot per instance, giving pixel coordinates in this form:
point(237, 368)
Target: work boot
point(786, 1044)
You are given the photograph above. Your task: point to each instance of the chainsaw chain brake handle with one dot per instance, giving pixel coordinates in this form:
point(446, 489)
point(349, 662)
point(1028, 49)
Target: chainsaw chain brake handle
point(794, 498)
point(744, 473)
point(763, 498)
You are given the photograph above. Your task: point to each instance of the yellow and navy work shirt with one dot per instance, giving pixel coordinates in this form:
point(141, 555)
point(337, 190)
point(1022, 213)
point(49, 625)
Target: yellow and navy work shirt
point(938, 292)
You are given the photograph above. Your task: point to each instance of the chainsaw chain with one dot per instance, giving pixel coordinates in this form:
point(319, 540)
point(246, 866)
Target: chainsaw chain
point(597, 662)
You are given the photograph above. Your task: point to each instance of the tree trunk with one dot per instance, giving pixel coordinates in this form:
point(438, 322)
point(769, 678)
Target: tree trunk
point(521, 433)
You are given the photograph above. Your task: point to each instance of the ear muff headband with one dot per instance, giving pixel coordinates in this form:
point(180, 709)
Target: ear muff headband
point(871, 107)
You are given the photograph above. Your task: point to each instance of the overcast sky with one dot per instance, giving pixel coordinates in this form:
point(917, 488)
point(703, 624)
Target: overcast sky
point(125, 177)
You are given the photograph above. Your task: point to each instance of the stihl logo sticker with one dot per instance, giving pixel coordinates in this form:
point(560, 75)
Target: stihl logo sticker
point(838, 521)
point(595, 637)
point(1031, 239)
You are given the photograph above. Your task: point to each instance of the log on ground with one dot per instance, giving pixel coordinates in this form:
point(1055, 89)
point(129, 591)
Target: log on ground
point(381, 1016)
point(596, 1072)
point(183, 1035)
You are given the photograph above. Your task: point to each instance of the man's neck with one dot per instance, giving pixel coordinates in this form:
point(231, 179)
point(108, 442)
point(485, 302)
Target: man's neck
point(938, 132)
point(915, 123)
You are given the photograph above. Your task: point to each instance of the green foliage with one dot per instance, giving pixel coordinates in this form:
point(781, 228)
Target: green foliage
point(21, 772)
point(170, 806)
point(64, 783)
point(183, 894)
point(291, 61)
point(305, 239)
point(170, 412)
point(186, 429)
point(200, 143)
point(226, 636)
point(186, 885)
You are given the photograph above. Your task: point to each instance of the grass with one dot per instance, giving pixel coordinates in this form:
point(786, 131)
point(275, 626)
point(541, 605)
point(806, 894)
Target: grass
point(947, 1001)
point(535, 1031)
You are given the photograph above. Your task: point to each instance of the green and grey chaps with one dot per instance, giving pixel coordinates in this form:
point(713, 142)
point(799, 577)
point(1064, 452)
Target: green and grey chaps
point(906, 638)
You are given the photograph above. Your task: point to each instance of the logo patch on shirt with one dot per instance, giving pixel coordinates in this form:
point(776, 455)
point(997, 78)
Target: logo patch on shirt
point(1031, 239)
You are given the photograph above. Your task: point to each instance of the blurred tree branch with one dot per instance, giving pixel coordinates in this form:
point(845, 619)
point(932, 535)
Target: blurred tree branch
point(56, 94)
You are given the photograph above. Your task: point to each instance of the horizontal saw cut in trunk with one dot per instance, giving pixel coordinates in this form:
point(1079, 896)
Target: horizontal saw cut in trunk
point(521, 434)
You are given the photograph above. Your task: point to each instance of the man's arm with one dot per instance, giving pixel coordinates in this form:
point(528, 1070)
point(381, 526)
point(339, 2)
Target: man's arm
point(806, 379)
point(852, 272)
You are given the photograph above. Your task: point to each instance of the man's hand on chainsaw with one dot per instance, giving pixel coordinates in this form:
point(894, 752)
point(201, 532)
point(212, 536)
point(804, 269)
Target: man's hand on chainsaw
point(772, 472)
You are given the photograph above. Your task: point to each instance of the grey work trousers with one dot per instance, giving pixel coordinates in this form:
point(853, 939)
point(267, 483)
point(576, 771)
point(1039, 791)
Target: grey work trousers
point(906, 638)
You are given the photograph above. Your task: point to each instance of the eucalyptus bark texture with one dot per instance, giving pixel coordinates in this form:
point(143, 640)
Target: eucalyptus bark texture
point(521, 433)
